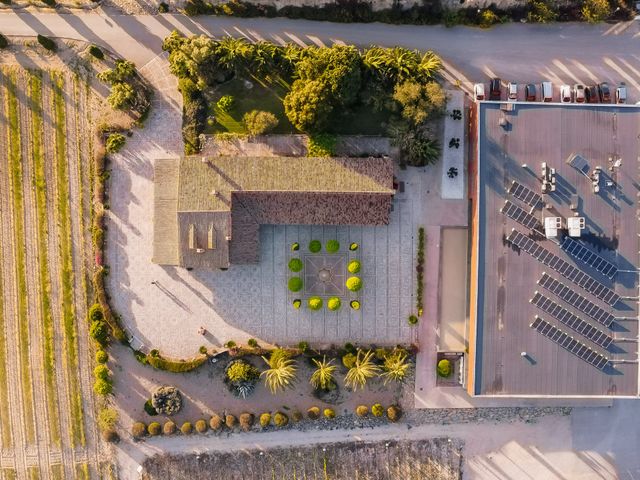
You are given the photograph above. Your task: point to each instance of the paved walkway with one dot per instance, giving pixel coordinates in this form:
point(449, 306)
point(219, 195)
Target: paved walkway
point(454, 185)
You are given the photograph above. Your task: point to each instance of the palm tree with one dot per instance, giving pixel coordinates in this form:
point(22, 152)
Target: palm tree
point(363, 369)
point(322, 378)
point(395, 366)
point(232, 52)
point(263, 57)
point(281, 373)
point(430, 65)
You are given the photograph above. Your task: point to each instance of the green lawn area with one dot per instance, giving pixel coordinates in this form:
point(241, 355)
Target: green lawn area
point(361, 120)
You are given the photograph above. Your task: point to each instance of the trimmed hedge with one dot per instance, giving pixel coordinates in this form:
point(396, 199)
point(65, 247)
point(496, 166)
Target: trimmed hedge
point(329, 413)
point(313, 413)
point(169, 428)
point(138, 430)
point(176, 366)
point(280, 419)
point(295, 265)
point(215, 422)
point(201, 426)
point(444, 368)
point(154, 429)
point(230, 421)
point(315, 246)
point(315, 303)
point(332, 246)
point(246, 421)
point(295, 284)
point(420, 271)
point(377, 410)
point(354, 284)
point(362, 410)
point(265, 420)
point(186, 428)
point(47, 43)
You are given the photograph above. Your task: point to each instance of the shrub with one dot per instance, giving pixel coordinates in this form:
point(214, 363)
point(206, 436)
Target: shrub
point(355, 304)
point(354, 284)
point(96, 52)
point(101, 372)
point(280, 419)
point(295, 284)
point(252, 342)
point(110, 436)
point(246, 421)
point(541, 11)
point(444, 368)
point(4, 41)
point(322, 145)
point(225, 103)
point(265, 420)
point(295, 265)
point(350, 348)
point(241, 370)
point(333, 303)
point(315, 303)
point(488, 18)
point(258, 122)
point(313, 413)
point(95, 313)
point(297, 303)
point(362, 410)
point(167, 400)
point(138, 430)
point(107, 418)
point(354, 266)
point(115, 142)
point(329, 413)
point(175, 366)
point(215, 422)
point(154, 429)
point(363, 369)
point(163, 7)
point(99, 332)
point(594, 11)
point(102, 356)
point(230, 421)
point(394, 413)
point(230, 344)
point(103, 387)
point(377, 410)
point(315, 246)
point(296, 416)
point(332, 246)
point(201, 426)
point(354, 246)
point(413, 320)
point(303, 346)
point(295, 246)
point(169, 428)
point(349, 360)
point(47, 43)
point(186, 428)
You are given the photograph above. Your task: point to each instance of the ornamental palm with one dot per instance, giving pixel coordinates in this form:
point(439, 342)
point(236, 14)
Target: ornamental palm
point(281, 373)
point(395, 367)
point(322, 377)
point(363, 369)
point(231, 53)
point(429, 65)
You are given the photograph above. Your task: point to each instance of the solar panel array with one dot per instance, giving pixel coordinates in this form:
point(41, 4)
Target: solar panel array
point(568, 271)
point(569, 343)
point(576, 300)
point(525, 194)
point(592, 259)
point(520, 215)
point(571, 320)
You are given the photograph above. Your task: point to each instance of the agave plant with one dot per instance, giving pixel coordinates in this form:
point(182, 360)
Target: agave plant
point(396, 367)
point(281, 372)
point(322, 377)
point(363, 369)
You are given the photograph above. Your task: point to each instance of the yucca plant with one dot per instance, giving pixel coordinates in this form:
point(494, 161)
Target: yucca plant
point(281, 372)
point(363, 369)
point(396, 367)
point(322, 377)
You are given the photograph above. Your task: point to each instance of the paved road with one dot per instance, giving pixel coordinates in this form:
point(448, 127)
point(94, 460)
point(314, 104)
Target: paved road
point(563, 53)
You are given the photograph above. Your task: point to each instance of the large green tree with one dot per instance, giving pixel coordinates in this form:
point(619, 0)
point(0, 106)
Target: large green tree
point(308, 105)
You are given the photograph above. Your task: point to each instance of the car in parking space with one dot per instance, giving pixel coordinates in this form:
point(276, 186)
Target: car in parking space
point(565, 94)
point(578, 93)
point(478, 91)
point(604, 94)
point(495, 89)
point(530, 92)
point(590, 94)
point(547, 91)
point(512, 91)
point(621, 93)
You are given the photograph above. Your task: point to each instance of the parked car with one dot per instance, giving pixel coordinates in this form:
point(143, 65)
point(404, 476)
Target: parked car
point(530, 92)
point(590, 94)
point(478, 91)
point(578, 93)
point(547, 91)
point(565, 94)
point(621, 93)
point(512, 91)
point(495, 89)
point(604, 93)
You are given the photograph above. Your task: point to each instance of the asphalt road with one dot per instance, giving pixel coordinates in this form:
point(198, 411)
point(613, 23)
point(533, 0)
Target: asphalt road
point(562, 53)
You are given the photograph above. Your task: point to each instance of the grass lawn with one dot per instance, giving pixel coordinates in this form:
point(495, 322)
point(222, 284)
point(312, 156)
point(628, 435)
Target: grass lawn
point(360, 120)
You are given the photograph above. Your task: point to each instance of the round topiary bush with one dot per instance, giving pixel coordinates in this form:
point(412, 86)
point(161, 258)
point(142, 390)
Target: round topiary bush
point(138, 430)
point(297, 303)
point(353, 247)
point(102, 356)
point(295, 265)
point(313, 413)
point(377, 410)
point(394, 413)
point(186, 428)
point(362, 410)
point(329, 413)
point(296, 416)
point(99, 332)
point(315, 303)
point(332, 246)
point(354, 266)
point(349, 360)
point(241, 377)
point(294, 284)
point(102, 372)
point(413, 320)
point(201, 426)
point(246, 421)
point(252, 342)
point(167, 400)
point(444, 368)
point(154, 429)
point(315, 246)
point(333, 303)
point(295, 246)
point(354, 284)
point(225, 103)
point(230, 421)
point(148, 408)
point(354, 304)
point(169, 428)
point(265, 420)
point(215, 422)
point(280, 419)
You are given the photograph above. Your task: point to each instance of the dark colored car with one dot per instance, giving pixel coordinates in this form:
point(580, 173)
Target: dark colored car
point(604, 93)
point(590, 94)
point(495, 89)
point(530, 92)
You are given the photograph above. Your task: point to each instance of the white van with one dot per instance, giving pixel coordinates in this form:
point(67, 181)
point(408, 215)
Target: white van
point(547, 91)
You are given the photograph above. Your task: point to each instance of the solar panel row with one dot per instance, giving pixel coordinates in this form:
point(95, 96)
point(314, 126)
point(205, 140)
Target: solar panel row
point(568, 271)
point(525, 194)
point(569, 343)
point(520, 215)
point(576, 300)
point(571, 320)
point(592, 259)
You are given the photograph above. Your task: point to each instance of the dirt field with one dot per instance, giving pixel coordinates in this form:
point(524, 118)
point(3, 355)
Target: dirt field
point(436, 458)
